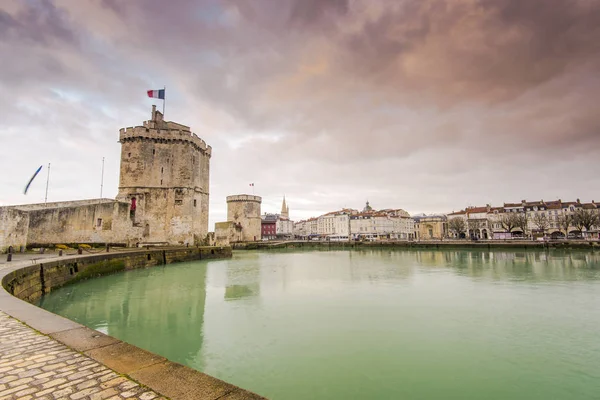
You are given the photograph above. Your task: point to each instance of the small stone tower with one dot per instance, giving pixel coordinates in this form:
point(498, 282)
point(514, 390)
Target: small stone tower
point(244, 211)
point(165, 177)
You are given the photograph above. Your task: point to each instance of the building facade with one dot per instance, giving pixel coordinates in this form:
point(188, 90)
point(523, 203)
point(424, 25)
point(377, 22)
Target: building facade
point(350, 224)
point(530, 219)
point(430, 227)
point(268, 227)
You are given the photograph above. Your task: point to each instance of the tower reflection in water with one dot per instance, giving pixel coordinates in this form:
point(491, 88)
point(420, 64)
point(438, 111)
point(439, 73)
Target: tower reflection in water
point(136, 309)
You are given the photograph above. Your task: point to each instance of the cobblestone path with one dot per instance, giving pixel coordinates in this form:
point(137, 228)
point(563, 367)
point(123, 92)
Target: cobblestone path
point(37, 367)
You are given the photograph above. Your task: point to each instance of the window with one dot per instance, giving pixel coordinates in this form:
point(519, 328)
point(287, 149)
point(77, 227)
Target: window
point(153, 151)
point(128, 154)
point(99, 222)
point(178, 202)
point(194, 202)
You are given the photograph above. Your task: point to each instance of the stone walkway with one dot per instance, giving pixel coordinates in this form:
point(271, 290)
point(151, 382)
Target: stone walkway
point(34, 366)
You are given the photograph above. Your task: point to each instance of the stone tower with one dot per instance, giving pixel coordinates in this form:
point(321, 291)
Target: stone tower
point(165, 178)
point(243, 210)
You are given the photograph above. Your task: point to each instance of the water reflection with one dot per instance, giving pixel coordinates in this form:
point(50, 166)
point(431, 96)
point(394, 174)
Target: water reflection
point(135, 307)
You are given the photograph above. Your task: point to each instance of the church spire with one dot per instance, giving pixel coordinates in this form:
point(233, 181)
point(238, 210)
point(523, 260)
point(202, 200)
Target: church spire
point(285, 210)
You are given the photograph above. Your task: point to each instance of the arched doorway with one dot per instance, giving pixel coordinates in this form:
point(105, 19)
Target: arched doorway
point(557, 235)
point(484, 234)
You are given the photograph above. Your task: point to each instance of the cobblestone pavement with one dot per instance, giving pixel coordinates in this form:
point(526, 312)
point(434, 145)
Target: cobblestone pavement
point(37, 367)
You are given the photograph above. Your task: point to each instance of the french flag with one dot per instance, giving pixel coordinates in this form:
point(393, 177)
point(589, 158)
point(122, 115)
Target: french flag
point(158, 94)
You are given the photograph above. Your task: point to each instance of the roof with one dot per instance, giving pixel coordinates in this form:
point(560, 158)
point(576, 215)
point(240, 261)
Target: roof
point(476, 210)
point(462, 212)
point(513, 204)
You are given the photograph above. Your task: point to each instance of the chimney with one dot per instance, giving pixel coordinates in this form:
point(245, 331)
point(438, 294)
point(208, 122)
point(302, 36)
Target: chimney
point(153, 113)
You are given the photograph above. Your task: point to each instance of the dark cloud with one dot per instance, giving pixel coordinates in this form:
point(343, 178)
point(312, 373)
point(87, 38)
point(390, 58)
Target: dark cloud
point(40, 21)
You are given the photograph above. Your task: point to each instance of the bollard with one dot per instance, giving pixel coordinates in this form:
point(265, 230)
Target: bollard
point(9, 257)
point(80, 251)
point(107, 248)
point(60, 253)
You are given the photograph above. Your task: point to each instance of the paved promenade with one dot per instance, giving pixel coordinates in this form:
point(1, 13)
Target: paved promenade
point(35, 366)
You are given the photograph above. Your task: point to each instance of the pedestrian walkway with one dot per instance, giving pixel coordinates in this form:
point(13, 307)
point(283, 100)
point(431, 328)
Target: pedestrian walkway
point(37, 367)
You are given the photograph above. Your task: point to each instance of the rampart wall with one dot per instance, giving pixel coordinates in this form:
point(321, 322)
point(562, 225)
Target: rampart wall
point(30, 283)
point(14, 225)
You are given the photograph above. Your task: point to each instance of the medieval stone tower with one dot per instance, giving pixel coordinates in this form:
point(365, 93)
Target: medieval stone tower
point(243, 210)
point(165, 178)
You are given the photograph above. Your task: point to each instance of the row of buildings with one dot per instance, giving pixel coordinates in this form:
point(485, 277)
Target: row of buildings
point(530, 219)
point(526, 219)
point(350, 224)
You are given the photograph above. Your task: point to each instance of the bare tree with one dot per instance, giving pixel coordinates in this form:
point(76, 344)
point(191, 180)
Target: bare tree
point(585, 219)
point(508, 221)
point(521, 221)
point(457, 225)
point(564, 222)
point(541, 221)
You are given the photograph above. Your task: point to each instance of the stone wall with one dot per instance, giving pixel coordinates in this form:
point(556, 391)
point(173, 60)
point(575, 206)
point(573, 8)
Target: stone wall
point(104, 222)
point(14, 225)
point(227, 232)
point(32, 282)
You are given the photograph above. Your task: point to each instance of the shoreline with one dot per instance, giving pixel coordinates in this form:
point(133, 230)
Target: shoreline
point(590, 245)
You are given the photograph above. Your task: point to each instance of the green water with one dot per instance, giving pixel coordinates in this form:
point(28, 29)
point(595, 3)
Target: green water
point(364, 324)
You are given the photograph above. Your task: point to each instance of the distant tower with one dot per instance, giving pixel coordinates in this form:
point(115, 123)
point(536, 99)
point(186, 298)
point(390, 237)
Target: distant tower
point(285, 210)
point(165, 178)
point(244, 211)
point(367, 208)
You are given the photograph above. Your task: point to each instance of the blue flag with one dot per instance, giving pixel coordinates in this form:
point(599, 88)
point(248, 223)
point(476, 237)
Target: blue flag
point(31, 180)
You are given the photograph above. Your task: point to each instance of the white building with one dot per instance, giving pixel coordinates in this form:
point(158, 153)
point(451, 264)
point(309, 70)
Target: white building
point(348, 224)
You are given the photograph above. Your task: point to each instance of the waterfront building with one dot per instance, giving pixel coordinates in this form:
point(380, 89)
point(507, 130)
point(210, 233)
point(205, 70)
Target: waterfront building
point(162, 199)
point(268, 226)
point(278, 226)
point(527, 219)
point(430, 227)
point(350, 224)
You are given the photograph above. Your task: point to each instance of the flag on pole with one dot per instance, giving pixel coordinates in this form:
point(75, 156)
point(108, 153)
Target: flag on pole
point(31, 180)
point(158, 94)
point(252, 184)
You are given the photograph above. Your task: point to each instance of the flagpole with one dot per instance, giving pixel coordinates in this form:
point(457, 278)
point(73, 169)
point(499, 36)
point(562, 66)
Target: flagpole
point(47, 182)
point(164, 100)
point(102, 179)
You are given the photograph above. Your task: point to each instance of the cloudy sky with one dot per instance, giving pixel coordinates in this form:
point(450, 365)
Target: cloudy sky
point(426, 105)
